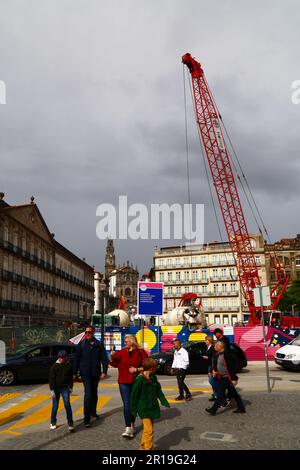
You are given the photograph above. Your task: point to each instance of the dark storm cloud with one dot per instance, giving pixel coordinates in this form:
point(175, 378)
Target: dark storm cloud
point(95, 108)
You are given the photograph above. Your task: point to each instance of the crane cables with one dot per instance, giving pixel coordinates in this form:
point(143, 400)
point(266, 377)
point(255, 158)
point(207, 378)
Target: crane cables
point(253, 206)
point(202, 152)
point(187, 152)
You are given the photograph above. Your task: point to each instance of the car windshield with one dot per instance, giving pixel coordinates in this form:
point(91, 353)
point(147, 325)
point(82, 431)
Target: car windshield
point(295, 342)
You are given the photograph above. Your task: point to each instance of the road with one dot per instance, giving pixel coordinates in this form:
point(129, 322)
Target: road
point(25, 412)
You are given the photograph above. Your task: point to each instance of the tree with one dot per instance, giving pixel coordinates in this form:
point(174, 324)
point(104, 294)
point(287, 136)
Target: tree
point(291, 298)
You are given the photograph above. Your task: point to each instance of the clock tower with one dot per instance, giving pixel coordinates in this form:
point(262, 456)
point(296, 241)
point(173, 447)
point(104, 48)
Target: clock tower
point(110, 259)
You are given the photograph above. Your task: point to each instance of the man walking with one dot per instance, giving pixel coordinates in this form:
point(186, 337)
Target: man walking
point(90, 356)
point(219, 334)
point(180, 365)
point(224, 369)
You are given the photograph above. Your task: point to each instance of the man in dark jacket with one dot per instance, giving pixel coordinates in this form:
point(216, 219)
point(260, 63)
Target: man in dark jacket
point(90, 356)
point(219, 334)
point(225, 368)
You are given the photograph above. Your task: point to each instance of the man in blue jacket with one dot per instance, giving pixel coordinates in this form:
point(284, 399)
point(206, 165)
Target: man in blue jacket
point(90, 356)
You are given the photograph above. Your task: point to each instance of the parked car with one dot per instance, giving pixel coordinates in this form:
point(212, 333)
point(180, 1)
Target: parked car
point(198, 365)
point(289, 355)
point(32, 363)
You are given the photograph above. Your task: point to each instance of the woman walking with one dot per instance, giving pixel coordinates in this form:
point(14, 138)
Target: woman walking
point(129, 363)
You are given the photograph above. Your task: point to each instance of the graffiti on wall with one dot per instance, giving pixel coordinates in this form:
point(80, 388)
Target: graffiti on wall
point(251, 340)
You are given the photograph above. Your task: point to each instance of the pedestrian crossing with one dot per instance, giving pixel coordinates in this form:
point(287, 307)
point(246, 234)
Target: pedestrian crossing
point(22, 411)
point(19, 412)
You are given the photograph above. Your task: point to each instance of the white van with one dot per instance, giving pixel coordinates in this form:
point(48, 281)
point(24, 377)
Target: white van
point(289, 355)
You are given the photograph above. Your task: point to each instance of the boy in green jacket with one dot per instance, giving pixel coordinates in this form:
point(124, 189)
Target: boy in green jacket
point(144, 397)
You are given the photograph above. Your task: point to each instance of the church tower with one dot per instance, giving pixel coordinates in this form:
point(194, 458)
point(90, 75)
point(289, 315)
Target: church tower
point(110, 259)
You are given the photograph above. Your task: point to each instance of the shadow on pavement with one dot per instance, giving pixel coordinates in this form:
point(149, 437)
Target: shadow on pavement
point(174, 438)
point(78, 428)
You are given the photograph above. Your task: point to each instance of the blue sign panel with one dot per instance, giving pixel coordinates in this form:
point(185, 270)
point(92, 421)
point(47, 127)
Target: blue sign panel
point(150, 298)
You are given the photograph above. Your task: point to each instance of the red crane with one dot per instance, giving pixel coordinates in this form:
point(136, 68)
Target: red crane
point(209, 125)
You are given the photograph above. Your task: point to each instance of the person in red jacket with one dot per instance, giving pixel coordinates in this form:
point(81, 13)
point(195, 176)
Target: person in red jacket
point(129, 363)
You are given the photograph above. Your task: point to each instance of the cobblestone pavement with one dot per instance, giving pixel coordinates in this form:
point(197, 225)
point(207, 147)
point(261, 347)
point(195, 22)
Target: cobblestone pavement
point(271, 422)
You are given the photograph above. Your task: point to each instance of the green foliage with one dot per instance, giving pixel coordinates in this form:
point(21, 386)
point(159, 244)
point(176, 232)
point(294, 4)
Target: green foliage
point(291, 298)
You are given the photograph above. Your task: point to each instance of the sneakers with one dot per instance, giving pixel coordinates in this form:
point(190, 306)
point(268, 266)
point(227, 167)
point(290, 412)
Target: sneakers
point(128, 433)
point(225, 403)
point(212, 399)
point(210, 411)
point(53, 426)
point(188, 398)
point(87, 425)
point(71, 427)
point(179, 398)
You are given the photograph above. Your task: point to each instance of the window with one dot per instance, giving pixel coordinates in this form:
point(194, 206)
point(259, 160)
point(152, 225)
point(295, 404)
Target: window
point(223, 273)
point(215, 273)
point(178, 276)
point(216, 288)
point(204, 289)
point(203, 259)
point(225, 320)
point(170, 262)
point(195, 275)
point(233, 320)
point(186, 261)
point(217, 319)
point(186, 289)
point(257, 259)
point(224, 288)
point(203, 275)
point(194, 260)
point(177, 261)
point(297, 261)
point(161, 277)
point(205, 303)
point(186, 275)
point(161, 263)
point(169, 290)
point(178, 290)
point(233, 287)
point(39, 352)
point(169, 276)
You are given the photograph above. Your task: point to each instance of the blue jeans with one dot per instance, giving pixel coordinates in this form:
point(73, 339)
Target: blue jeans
point(215, 385)
point(125, 390)
point(65, 393)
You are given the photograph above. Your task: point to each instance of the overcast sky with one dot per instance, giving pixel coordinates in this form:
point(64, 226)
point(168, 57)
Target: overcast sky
point(95, 109)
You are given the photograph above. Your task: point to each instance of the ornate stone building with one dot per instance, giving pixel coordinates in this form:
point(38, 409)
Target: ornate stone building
point(287, 250)
point(40, 279)
point(122, 279)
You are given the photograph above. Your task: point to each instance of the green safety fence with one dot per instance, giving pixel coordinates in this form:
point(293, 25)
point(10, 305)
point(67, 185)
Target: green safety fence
point(20, 337)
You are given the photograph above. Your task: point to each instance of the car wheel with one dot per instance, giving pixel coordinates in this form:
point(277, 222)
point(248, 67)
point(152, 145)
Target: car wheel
point(7, 377)
point(168, 369)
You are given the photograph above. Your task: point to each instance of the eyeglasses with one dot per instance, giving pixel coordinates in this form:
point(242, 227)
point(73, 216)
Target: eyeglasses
point(89, 332)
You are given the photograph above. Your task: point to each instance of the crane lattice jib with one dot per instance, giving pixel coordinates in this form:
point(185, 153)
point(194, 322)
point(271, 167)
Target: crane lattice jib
point(217, 155)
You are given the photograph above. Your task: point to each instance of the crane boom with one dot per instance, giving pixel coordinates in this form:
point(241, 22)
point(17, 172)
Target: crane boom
point(209, 124)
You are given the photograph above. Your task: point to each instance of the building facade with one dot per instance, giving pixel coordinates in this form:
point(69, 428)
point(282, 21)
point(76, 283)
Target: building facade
point(287, 251)
point(209, 272)
point(40, 280)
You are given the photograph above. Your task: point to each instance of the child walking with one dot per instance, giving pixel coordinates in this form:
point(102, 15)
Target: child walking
point(145, 393)
point(61, 384)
